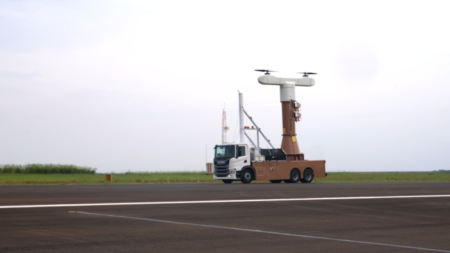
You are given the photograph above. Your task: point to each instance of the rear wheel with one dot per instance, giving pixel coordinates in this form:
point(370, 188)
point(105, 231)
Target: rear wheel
point(275, 181)
point(295, 176)
point(227, 181)
point(247, 176)
point(308, 176)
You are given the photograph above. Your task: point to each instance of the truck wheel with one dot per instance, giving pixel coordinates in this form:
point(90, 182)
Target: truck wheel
point(246, 176)
point(227, 181)
point(275, 181)
point(308, 176)
point(295, 176)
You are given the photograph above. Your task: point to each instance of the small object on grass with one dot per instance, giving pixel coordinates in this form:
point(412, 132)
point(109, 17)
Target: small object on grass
point(108, 177)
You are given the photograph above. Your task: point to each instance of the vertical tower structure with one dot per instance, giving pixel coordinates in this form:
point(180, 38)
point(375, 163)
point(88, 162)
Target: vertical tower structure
point(241, 117)
point(224, 127)
point(289, 108)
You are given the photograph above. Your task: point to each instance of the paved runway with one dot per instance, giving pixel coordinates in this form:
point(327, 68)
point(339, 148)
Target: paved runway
point(325, 225)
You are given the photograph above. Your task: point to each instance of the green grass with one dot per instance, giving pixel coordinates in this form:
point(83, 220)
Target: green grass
point(200, 177)
point(86, 179)
point(385, 177)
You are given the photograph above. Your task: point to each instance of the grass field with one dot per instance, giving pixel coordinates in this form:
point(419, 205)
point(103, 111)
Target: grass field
point(200, 177)
point(385, 177)
point(127, 178)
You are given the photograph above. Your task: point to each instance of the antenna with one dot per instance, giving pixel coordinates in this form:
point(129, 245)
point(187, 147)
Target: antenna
point(224, 126)
point(241, 117)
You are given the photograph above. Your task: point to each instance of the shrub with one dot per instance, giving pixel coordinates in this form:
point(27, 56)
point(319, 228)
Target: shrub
point(46, 169)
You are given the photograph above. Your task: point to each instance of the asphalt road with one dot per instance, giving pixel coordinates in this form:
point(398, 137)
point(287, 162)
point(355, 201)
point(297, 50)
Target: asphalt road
point(332, 225)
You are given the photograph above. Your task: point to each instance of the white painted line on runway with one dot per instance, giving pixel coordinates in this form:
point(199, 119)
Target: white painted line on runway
point(224, 201)
point(266, 232)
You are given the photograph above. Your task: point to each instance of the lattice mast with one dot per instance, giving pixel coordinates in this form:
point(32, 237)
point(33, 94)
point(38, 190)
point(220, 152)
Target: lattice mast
point(224, 126)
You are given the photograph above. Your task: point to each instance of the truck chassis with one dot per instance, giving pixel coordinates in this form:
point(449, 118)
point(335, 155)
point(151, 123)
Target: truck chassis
point(291, 169)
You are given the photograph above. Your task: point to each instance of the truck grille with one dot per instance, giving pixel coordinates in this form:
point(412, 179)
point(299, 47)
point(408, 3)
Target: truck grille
point(221, 171)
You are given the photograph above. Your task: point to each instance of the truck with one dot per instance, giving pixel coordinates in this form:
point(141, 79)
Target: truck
point(241, 162)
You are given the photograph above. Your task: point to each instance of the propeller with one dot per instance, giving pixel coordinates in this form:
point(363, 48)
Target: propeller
point(265, 70)
point(305, 74)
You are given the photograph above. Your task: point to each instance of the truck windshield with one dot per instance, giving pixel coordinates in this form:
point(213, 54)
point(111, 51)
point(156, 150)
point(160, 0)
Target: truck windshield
point(224, 151)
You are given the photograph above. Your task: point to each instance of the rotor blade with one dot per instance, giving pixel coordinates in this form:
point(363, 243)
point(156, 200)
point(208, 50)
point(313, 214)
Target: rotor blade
point(265, 70)
point(306, 73)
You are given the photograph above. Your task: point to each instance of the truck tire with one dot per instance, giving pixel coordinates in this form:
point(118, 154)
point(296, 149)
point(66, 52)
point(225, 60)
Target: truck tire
point(295, 175)
point(308, 176)
point(227, 181)
point(247, 176)
point(275, 181)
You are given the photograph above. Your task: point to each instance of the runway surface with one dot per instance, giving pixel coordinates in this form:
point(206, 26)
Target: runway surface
point(323, 217)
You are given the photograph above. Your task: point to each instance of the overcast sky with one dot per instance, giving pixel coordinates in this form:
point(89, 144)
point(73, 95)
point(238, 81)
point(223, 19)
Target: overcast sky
point(140, 85)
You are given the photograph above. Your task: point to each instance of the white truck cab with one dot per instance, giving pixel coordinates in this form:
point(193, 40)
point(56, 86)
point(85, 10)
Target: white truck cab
point(229, 160)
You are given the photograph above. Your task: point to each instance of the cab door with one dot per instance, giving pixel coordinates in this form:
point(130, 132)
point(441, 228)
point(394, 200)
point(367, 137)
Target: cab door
point(242, 157)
